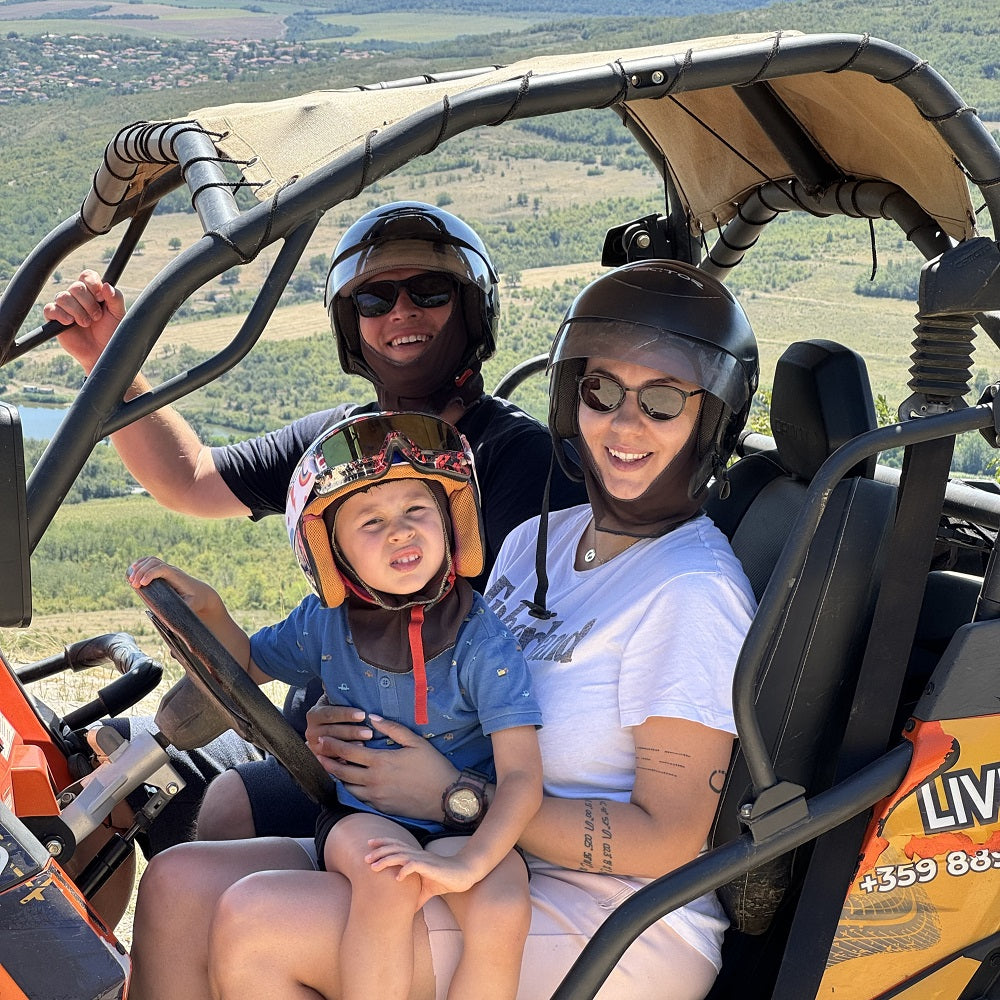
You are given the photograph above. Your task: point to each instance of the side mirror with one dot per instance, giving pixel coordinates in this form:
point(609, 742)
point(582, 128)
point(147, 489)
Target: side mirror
point(15, 567)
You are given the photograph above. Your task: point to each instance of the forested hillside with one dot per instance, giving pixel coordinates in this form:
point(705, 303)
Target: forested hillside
point(52, 137)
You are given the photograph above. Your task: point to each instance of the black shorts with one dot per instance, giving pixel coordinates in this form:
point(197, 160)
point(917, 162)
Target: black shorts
point(329, 818)
point(279, 806)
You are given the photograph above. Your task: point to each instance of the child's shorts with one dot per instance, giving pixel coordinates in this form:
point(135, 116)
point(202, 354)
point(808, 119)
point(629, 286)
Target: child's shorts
point(330, 817)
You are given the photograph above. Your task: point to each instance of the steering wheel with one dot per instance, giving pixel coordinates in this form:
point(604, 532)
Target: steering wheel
point(212, 669)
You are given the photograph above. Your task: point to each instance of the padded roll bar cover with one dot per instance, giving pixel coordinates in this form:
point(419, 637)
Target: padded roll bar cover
point(15, 566)
point(188, 718)
point(821, 399)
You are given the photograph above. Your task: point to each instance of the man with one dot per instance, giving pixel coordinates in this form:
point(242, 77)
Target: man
point(413, 301)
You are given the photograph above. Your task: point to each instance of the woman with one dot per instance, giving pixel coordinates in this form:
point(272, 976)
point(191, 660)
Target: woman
point(632, 647)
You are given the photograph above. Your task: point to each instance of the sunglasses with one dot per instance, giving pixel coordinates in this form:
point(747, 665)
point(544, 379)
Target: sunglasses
point(603, 394)
point(426, 291)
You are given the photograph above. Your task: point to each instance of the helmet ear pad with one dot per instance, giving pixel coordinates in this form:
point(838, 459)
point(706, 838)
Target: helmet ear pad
point(715, 428)
point(563, 402)
point(347, 333)
point(462, 509)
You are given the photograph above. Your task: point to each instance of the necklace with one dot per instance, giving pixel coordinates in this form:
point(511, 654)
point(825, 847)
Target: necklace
point(590, 556)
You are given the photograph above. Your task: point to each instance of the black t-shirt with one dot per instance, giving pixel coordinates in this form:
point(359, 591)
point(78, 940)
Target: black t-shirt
point(512, 452)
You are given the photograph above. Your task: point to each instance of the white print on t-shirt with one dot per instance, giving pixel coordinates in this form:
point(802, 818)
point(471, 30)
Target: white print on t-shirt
point(544, 643)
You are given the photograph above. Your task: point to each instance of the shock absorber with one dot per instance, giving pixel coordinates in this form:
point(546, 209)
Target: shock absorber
point(942, 365)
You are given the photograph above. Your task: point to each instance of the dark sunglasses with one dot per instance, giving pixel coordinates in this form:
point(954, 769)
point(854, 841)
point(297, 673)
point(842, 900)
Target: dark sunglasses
point(603, 394)
point(426, 291)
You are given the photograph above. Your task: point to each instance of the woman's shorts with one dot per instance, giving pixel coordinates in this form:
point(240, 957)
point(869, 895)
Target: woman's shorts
point(567, 907)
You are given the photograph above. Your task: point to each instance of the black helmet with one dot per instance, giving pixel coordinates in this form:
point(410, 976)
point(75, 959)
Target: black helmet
point(670, 316)
point(412, 234)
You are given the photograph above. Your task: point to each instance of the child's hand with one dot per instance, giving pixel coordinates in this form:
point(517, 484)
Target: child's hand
point(198, 596)
point(439, 874)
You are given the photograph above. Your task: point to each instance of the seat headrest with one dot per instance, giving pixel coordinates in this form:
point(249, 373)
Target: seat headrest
point(821, 398)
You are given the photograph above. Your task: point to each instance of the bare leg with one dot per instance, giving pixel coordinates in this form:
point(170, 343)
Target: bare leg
point(381, 911)
point(225, 812)
point(494, 916)
point(177, 898)
point(279, 936)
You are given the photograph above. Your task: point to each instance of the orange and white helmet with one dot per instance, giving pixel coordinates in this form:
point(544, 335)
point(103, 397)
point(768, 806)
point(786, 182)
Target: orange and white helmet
point(373, 448)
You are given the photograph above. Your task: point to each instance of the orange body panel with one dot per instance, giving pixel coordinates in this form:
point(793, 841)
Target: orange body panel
point(33, 793)
point(928, 883)
point(26, 723)
point(9, 990)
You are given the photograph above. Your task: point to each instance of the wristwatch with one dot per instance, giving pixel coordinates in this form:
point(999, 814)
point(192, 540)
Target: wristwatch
point(464, 802)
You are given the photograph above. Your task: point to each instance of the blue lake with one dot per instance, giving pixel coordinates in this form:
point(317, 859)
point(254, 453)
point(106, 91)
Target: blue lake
point(40, 422)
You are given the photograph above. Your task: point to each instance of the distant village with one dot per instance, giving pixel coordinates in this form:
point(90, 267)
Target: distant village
point(39, 68)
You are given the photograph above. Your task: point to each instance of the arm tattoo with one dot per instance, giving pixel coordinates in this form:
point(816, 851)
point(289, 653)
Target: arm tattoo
point(717, 781)
point(607, 859)
point(660, 761)
point(597, 836)
point(587, 858)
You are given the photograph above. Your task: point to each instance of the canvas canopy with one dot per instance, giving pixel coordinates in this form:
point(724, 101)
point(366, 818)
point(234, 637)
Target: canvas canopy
point(714, 148)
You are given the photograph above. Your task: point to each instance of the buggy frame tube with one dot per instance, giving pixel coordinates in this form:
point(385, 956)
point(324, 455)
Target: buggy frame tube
point(854, 199)
point(800, 151)
point(112, 273)
point(23, 289)
point(248, 335)
point(99, 407)
point(184, 143)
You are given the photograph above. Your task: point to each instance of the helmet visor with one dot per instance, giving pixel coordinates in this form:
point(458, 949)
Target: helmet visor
point(659, 349)
point(367, 448)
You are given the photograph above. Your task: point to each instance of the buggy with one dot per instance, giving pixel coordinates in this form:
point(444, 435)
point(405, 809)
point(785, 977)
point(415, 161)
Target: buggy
point(857, 843)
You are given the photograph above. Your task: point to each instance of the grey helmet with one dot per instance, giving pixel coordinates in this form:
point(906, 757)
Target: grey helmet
point(413, 234)
point(670, 316)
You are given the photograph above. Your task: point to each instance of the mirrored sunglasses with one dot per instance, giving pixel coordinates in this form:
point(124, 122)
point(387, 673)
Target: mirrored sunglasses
point(429, 290)
point(603, 394)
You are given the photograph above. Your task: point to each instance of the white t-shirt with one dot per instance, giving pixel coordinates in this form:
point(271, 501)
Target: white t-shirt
point(654, 632)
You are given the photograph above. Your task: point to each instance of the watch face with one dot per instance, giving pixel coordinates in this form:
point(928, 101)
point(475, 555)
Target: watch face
point(463, 804)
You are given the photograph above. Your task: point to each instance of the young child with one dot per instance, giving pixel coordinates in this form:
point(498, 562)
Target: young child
point(383, 517)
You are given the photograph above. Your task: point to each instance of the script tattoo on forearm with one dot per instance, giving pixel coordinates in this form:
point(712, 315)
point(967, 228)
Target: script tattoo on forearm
point(587, 859)
point(660, 761)
point(597, 837)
